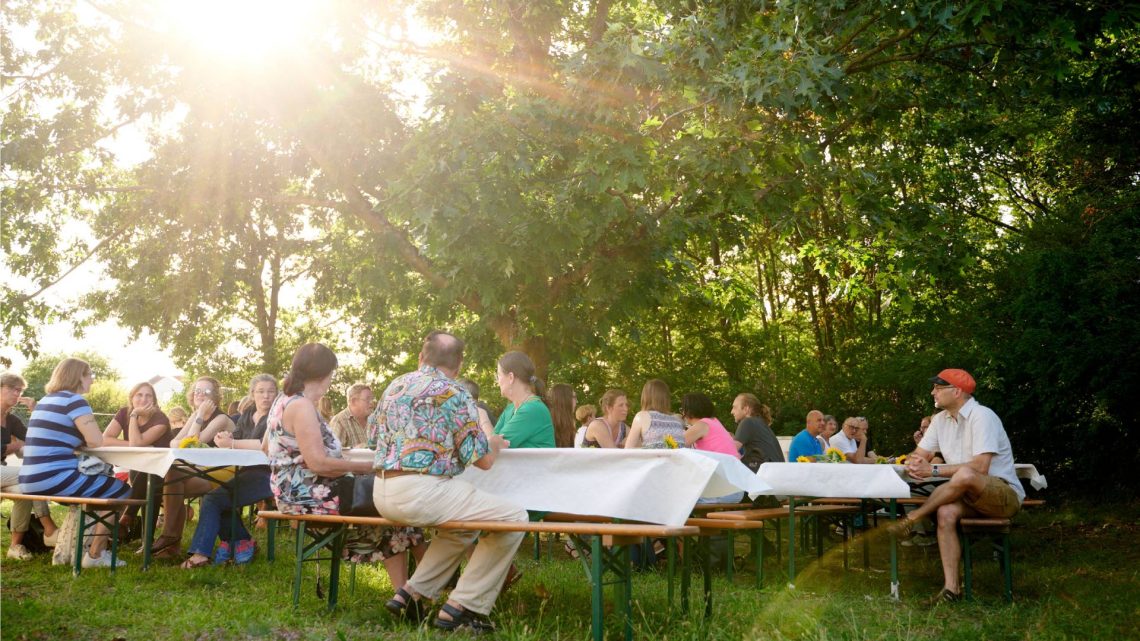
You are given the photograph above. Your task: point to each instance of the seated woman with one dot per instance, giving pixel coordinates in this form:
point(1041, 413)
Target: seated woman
point(562, 400)
point(610, 430)
point(705, 432)
point(62, 423)
point(525, 421)
point(305, 463)
point(252, 485)
point(140, 424)
point(205, 422)
point(655, 423)
point(585, 415)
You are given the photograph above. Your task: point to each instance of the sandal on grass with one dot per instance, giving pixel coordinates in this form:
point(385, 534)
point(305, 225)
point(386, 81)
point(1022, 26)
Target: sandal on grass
point(161, 543)
point(463, 619)
point(406, 606)
point(191, 563)
point(944, 596)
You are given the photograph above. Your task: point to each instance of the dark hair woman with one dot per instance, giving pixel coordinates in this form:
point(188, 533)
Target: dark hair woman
point(562, 401)
point(305, 461)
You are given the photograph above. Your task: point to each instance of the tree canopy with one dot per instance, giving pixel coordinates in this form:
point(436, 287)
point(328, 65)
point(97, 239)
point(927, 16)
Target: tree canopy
point(823, 203)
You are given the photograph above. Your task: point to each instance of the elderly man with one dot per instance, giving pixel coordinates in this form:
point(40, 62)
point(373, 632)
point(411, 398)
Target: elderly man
point(349, 424)
point(806, 443)
point(425, 432)
point(979, 464)
point(12, 433)
point(852, 440)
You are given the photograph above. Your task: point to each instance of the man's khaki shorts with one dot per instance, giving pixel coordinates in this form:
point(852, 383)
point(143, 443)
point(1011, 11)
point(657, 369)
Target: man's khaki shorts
point(998, 500)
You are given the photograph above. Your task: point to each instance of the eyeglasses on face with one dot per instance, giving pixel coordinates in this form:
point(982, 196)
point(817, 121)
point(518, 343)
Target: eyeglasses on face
point(943, 387)
point(203, 391)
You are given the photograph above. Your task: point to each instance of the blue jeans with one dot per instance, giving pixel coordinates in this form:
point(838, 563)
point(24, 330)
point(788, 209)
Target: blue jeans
point(214, 513)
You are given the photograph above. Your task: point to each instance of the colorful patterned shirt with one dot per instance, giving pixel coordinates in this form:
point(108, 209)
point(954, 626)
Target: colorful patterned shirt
point(426, 422)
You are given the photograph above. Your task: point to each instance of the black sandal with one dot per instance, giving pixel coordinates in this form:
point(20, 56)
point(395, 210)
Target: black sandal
point(410, 609)
point(473, 621)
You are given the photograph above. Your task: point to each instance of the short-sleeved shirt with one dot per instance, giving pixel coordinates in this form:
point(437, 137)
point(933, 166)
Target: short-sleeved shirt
point(758, 441)
point(978, 430)
point(529, 426)
point(804, 444)
point(717, 439)
point(428, 423)
point(123, 417)
point(846, 445)
point(350, 432)
point(13, 427)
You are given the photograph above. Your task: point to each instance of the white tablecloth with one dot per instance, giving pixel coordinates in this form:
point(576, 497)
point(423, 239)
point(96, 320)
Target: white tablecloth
point(655, 486)
point(1025, 471)
point(834, 480)
point(159, 460)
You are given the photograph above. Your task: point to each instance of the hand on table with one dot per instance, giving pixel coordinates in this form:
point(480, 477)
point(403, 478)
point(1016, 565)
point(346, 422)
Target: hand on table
point(917, 467)
point(224, 440)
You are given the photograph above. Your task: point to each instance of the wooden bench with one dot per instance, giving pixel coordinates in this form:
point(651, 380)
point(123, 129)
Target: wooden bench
point(89, 508)
point(991, 528)
point(608, 543)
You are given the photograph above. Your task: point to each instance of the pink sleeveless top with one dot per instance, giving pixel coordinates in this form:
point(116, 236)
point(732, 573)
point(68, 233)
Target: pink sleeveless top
point(717, 439)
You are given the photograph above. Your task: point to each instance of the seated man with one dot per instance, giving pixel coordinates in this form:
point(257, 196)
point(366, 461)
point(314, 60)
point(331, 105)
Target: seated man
point(806, 443)
point(425, 432)
point(852, 441)
point(12, 434)
point(979, 465)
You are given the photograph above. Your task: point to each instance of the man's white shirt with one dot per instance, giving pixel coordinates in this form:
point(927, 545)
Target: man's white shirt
point(978, 430)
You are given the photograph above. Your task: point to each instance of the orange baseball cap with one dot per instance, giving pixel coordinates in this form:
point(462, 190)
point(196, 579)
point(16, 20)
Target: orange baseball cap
point(959, 378)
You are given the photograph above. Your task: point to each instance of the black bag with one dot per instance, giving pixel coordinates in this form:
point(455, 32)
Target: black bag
point(355, 493)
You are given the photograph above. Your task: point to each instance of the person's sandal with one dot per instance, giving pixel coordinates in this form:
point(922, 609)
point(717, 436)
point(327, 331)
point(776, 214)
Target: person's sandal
point(191, 564)
point(902, 529)
point(463, 619)
point(160, 544)
point(410, 609)
point(944, 596)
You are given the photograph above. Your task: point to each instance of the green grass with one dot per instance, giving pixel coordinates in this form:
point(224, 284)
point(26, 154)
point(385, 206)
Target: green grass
point(1075, 577)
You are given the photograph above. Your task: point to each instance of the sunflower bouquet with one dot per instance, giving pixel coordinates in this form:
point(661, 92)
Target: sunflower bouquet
point(891, 460)
point(191, 442)
point(832, 455)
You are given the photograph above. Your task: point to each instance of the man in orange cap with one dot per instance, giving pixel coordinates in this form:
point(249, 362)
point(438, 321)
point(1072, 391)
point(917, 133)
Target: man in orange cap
point(979, 464)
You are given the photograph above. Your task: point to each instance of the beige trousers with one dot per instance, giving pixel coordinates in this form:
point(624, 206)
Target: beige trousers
point(425, 500)
point(21, 510)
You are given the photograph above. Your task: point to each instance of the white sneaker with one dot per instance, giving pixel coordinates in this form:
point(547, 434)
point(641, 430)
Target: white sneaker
point(102, 561)
point(18, 552)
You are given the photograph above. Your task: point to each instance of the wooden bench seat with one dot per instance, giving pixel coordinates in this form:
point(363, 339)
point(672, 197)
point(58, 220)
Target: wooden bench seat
point(609, 543)
point(90, 510)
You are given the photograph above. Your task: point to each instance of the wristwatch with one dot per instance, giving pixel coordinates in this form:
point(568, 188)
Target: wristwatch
point(934, 470)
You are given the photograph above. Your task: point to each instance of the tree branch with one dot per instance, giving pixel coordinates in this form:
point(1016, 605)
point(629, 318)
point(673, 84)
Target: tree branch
point(882, 46)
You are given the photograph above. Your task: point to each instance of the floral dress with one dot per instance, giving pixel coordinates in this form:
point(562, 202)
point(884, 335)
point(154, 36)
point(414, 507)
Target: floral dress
point(299, 490)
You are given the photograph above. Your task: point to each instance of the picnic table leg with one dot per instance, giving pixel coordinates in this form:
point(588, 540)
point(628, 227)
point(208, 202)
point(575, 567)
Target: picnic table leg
point(114, 534)
point(894, 554)
point(149, 517)
point(300, 560)
point(686, 573)
point(967, 563)
point(1007, 566)
point(597, 605)
point(866, 543)
point(792, 542)
point(731, 555)
point(270, 539)
point(758, 551)
point(79, 540)
point(706, 569)
point(334, 568)
point(235, 512)
point(671, 567)
point(625, 588)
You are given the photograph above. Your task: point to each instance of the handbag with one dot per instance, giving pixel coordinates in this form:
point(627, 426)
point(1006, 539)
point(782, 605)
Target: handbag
point(355, 495)
point(95, 466)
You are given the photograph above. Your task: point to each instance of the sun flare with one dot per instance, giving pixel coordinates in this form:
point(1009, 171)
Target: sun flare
point(239, 30)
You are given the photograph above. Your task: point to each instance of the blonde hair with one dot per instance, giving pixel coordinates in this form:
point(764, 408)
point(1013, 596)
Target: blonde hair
point(67, 376)
point(755, 407)
point(585, 413)
point(215, 392)
point(8, 379)
point(655, 396)
point(610, 398)
point(177, 414)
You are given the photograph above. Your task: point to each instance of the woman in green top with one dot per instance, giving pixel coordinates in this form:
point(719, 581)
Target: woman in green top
point(525, 421)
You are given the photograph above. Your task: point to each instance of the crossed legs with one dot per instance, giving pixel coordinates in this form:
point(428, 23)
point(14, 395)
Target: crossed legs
point(947, 502)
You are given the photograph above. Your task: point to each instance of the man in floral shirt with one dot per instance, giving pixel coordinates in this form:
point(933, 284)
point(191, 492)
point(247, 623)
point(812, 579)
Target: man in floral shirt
point(425, 431)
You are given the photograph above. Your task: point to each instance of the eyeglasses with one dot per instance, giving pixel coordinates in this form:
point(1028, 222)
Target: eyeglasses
point(943, 387)
point(203, 391)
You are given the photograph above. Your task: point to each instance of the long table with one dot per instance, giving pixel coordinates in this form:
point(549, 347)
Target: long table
point(159, 461)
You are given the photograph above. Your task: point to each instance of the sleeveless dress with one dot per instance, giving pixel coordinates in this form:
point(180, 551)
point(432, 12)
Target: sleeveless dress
point(623, 431)
point(660, 426)
point(299, 490)
point(717, 439)
point(50, 466)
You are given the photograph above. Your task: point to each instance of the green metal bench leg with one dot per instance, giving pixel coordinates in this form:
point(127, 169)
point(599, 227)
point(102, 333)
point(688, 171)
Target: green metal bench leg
point(270, 541)
point(1007, 563)
point(114, 533)
point(686, 572)
point(731, 555)
point(758, 552)
point(706, 569)
point(299, 561)
point(968, 564)
point(671, 567)
point(334, 569)
point(894, 553)
point(625, 589)
point(792, 543)
point(79, 536)
point(597, 606)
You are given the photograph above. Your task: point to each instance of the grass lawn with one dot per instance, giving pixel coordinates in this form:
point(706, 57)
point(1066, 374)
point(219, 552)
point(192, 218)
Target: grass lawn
point(1075, 577)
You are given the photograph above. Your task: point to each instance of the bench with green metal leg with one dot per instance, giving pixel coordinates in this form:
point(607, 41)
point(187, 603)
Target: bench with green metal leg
point(607, 542)
point(997, 530)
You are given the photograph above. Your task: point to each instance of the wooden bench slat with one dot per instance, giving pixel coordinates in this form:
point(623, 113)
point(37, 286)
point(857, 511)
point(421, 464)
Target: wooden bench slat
point(759, 514)
point(597, 529)
point(72, 500)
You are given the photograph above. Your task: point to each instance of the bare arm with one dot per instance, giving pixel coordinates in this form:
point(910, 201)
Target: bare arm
point(113, 430)
point(598, 431)
point(485, 423)
point(497, 443)
point(301, 416)
point(92, 437)
point(221, 423)
point(633, 440)
point(695, 432)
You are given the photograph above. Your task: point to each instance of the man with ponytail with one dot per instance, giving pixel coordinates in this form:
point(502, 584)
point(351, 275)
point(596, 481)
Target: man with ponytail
point(425, 432)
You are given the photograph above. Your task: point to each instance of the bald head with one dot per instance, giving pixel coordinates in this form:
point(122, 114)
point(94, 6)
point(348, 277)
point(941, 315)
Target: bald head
point(443, 351)
point(815, 422)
